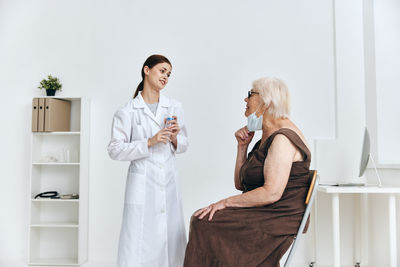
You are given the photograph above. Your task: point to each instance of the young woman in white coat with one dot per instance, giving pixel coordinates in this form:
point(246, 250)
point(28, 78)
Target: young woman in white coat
point(153, 231)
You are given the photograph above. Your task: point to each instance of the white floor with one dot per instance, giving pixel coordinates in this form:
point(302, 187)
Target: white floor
point(112, 264)
point(88, 264)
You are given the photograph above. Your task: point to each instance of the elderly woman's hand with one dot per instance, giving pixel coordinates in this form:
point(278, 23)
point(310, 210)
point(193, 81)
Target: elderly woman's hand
point(211, 209)
point(244, 136)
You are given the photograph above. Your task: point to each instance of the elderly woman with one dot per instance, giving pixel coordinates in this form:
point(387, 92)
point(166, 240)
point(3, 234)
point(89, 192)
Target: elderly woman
point(256, 227)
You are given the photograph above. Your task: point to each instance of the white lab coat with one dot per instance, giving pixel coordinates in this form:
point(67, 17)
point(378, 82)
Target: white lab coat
point(153, 231)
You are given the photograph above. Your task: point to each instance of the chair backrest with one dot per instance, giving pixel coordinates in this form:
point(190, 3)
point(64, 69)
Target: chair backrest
point(313, 175)
point(309, 202)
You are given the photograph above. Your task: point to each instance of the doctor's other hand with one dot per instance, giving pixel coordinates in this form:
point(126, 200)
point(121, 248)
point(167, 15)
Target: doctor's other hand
point(162, 136)
point(244, 136)
point(211, 209)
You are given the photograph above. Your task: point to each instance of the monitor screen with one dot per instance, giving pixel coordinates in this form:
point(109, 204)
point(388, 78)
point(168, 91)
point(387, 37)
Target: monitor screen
point(365, 153)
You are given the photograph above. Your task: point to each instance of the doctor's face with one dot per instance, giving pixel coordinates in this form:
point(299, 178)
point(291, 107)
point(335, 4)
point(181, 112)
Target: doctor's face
point(158, 76)
point(253, 102)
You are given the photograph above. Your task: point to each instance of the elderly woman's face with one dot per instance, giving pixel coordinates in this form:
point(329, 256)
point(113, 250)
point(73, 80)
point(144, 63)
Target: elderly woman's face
point(253, 102)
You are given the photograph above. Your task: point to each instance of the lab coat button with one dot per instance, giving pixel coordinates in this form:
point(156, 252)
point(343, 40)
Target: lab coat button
point(162, 211)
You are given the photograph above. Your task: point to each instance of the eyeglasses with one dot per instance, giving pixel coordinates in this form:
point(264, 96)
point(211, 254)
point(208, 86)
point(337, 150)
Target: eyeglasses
point(250, 93)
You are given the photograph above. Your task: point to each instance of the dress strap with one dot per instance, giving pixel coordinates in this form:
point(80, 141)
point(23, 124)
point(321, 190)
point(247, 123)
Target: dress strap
point(294, 138)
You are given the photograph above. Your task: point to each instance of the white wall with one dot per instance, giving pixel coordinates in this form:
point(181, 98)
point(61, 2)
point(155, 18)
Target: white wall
point(387, 44)
point(217, 48)
point(365, 63)
point(349, 91)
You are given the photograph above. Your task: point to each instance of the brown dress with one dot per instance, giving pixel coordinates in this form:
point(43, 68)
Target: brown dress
point(257, 236)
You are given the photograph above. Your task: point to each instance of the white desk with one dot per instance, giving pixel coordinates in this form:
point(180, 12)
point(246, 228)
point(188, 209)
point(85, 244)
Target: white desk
point(334, 192)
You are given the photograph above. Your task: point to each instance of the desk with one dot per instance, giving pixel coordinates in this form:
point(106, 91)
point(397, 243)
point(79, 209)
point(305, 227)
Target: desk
point(334, 192)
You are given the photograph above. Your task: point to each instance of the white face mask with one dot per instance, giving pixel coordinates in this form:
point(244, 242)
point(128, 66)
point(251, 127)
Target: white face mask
point(254, 123)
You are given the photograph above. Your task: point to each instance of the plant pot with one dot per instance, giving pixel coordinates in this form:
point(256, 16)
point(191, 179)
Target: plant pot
point(51, 92)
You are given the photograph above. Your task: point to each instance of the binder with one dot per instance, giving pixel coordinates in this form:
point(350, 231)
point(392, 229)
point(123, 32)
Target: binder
point(35, 114)
point(57, 115)
point(41, 115)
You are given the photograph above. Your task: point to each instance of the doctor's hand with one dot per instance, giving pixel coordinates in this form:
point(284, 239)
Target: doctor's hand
point(174, 126)
point(244, 136)
point(162, 136)
point(175, 130)
point(211, 209)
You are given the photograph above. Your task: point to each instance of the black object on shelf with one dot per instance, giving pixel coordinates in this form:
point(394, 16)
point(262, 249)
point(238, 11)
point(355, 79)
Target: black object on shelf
point(48, 194)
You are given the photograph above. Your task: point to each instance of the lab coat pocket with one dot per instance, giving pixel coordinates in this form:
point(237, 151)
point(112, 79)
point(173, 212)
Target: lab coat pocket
point(135, 188)
point(137, 132)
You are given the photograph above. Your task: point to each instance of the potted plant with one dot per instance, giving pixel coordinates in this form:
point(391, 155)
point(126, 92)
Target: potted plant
point(51, 85)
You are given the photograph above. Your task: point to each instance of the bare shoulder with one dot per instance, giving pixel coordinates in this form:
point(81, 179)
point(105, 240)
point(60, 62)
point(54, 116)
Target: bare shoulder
point(281, 143)
point(281, 153)
point(283, 147)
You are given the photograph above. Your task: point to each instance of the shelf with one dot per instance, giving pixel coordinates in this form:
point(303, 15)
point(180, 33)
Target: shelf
point(54, 200)
point(59, 161)
point(54, 213)
point(56, 163)
point(52, 262)
point(56, 133)
point(56, 225)
point(53, 246)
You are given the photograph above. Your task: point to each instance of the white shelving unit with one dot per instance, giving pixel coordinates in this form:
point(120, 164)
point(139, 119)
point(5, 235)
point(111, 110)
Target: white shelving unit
point(58, 228)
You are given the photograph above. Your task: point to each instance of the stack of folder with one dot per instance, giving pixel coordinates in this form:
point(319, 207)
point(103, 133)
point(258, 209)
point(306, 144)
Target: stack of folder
point(51, 115)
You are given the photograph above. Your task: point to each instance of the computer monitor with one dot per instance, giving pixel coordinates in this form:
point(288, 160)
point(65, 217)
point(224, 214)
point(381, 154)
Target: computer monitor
point(366, 155)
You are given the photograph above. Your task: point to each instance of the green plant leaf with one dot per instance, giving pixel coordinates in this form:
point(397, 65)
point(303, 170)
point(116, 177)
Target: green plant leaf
point(51, 83)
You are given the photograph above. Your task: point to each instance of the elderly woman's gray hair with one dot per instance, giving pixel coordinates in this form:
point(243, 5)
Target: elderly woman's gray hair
point(275, 94)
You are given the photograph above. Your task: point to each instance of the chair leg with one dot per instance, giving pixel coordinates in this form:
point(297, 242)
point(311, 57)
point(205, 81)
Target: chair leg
point(312, 264)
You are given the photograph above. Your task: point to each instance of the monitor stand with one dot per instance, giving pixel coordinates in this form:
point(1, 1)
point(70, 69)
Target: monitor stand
point(351, 184)
point(364, 184)
point(376, 170)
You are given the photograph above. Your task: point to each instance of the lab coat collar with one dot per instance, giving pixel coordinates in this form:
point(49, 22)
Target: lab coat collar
point(138, 102)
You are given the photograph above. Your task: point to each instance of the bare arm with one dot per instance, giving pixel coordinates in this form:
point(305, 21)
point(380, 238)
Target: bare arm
point(277, 168)
point(240, 159)
point(243, 137)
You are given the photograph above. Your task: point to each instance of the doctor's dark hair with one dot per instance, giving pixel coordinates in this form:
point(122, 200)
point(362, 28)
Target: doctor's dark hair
point(150, 62)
